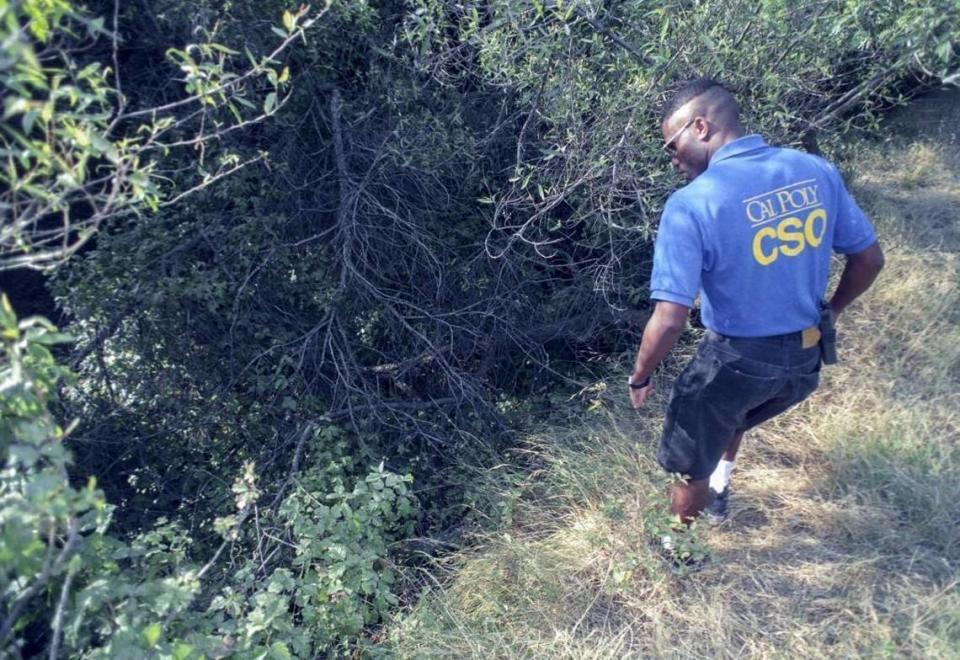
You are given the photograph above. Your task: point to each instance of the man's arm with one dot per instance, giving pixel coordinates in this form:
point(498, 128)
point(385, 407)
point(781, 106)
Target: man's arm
point(660, 334)
point(861, 270)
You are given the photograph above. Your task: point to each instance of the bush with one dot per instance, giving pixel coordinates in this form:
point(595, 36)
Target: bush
point(301, 577)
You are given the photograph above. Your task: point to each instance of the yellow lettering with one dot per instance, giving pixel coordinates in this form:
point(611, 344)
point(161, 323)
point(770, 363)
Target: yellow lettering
point(794, 237)
point(764, 259)
point(791, 236)
point(809, 227)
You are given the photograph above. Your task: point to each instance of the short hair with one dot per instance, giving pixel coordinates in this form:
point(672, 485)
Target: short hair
point(685, 91)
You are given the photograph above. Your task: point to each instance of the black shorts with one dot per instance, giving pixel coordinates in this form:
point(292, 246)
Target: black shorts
point(732, 384)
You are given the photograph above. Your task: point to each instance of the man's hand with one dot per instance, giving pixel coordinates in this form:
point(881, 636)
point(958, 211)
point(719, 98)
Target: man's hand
point(639, 395)
point(660, 334)
point(859, 273)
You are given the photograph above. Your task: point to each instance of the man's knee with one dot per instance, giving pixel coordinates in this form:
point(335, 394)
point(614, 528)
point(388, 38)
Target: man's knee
point(689, 498)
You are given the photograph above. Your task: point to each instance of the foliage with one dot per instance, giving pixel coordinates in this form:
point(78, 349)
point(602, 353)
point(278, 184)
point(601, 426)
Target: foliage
point(451, 214)
point(353, 280)
point(75, 153)
point(44, 518)
point(588, 176)
point(307, 572)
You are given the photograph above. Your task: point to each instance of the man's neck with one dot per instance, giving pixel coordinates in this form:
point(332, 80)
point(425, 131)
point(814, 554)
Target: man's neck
point(725, 137)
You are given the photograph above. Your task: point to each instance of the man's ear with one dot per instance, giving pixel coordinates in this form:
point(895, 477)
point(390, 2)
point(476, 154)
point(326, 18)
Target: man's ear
point(703, 128)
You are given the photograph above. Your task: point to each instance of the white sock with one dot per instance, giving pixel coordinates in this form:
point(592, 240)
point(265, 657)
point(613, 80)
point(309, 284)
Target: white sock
point(720, 478)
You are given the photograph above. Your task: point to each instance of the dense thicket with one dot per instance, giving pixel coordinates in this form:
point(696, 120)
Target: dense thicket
point(445, 207)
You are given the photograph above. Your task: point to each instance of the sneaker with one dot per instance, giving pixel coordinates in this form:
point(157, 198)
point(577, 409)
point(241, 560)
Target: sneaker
point(718, 508)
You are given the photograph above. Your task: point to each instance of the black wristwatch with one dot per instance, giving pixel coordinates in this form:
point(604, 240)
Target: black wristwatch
point(640, 385)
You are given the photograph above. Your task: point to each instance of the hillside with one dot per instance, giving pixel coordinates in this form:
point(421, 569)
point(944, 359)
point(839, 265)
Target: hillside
point(844, 539)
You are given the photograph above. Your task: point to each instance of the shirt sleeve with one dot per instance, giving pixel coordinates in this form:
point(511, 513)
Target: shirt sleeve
point(853, 231)
point(677, 256)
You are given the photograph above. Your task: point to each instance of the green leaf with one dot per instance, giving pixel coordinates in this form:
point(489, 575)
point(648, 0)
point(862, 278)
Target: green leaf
point(234, 112)
point(182, 651)
point(244, 102)
point(151, 634)
point(28, 120)
point(8, 318)
point(52, 338)
point(223, 49)
point(46, 112)
point(288, 21)
point(24, 454)
point(270, 102)
point(944, 51)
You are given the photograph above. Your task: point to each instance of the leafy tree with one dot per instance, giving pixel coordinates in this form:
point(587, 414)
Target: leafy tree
point(77, 152)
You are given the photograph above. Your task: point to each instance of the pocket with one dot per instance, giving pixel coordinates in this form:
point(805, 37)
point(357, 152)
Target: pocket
point(699, 372)
point(742, 384)
point(755, 370)
point(749, 367)
point(807, 383)
point(813, 366)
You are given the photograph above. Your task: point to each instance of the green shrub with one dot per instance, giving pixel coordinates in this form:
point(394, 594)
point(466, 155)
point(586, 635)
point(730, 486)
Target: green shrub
point(302, 577)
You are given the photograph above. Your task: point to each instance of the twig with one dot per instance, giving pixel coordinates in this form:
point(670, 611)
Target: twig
point(121, 103)
point(615, 38)
point(257, 69)
point(212, 180)
point(58, 616)
point(40, 582)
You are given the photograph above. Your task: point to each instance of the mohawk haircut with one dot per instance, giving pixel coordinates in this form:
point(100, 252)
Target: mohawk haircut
point(686, 90)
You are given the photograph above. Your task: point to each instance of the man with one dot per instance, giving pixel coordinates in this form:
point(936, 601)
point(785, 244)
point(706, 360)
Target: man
point(752, 233)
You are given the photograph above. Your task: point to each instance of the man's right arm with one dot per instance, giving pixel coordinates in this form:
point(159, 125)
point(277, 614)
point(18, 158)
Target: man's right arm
point(861, 270)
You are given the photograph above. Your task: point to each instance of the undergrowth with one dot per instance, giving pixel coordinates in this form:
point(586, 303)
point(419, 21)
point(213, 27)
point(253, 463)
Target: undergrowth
point(844, 535)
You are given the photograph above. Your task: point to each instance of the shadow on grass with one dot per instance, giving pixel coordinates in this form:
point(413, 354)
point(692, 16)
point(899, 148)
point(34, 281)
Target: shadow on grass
point(928, 218)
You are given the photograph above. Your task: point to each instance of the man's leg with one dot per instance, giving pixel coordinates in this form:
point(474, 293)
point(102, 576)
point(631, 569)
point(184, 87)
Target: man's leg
point(689, 498)
point(716, 509)
point(720, 478)
point(731, 453)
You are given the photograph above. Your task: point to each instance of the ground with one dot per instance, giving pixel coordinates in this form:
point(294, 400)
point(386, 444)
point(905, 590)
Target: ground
point(844, 535)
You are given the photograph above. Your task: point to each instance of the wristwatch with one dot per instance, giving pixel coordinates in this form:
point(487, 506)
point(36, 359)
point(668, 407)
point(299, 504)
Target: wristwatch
point(640, 385)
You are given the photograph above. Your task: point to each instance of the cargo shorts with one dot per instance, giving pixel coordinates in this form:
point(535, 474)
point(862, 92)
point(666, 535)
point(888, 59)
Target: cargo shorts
point(732, 384)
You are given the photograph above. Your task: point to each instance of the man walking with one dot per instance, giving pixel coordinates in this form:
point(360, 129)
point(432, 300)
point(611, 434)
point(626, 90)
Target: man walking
point(752, 234)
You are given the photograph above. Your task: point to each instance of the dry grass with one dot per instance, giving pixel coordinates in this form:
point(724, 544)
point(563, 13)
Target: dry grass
point(844, 538)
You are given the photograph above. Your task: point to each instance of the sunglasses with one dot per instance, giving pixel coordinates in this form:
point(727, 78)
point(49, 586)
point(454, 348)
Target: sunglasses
point(670, 146)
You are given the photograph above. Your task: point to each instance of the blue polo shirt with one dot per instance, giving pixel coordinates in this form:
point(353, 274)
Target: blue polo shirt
point(753, 234)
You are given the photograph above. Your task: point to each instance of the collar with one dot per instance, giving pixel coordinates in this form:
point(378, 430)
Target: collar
point(739, 146)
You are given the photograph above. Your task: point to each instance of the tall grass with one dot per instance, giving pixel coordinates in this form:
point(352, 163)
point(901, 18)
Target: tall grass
point(844, 537)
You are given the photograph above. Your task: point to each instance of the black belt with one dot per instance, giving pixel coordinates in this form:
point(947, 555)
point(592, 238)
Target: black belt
point(813, 331)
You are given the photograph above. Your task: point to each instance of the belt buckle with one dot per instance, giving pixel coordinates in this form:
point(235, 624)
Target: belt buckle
point(810, 336)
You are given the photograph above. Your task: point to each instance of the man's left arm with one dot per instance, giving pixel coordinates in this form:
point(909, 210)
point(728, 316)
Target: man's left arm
point(858, 275)
point(855, 238)
point(660, 334)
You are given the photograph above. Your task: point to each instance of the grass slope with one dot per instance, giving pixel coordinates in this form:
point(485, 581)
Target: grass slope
point(844, 538)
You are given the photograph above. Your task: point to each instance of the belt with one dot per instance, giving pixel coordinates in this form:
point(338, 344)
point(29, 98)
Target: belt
point(808, 337)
